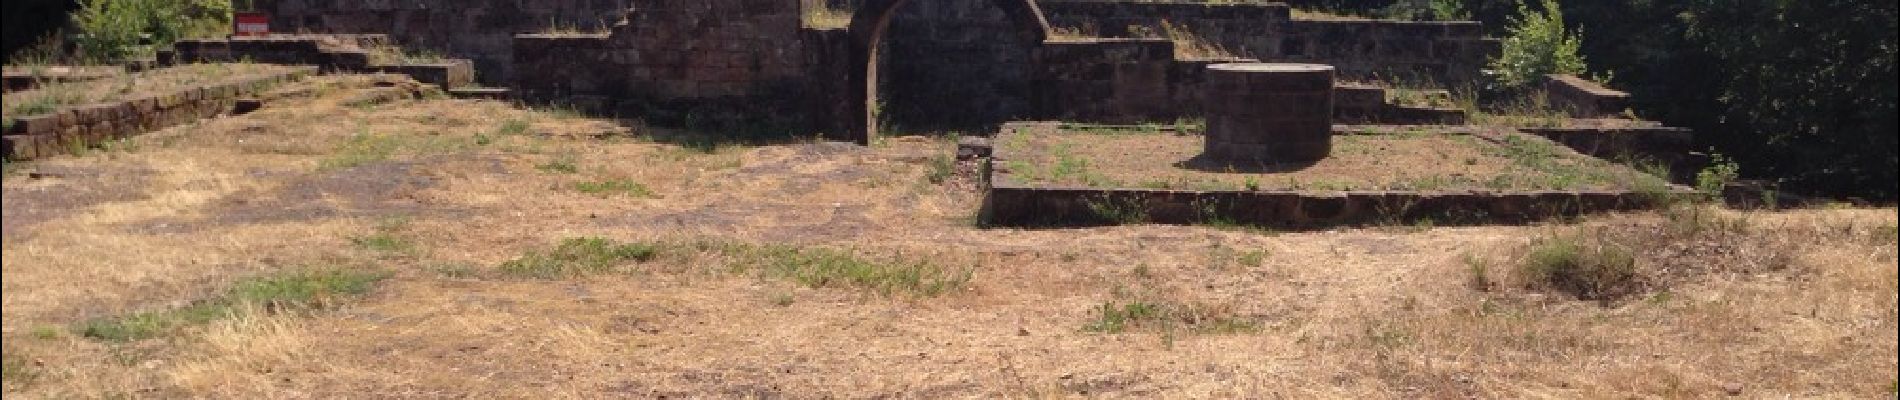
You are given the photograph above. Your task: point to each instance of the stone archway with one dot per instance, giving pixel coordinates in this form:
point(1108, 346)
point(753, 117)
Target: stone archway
point(867, 33)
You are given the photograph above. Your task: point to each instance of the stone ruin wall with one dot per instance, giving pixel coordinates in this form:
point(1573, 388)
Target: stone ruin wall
point(687, 61)
point(481, 30)
point(1449, 53)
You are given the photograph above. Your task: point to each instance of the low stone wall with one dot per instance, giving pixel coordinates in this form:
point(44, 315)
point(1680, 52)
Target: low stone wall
point(482, 30)
point(1358, 103)
point(73, 128)
point(330, 53)
point(1113, 81)
point(451, 74)
point(1583, 98)
point(1013, 205)
point(728, 66)
point(27, 78)
point(333, 53)
point(1449, 53)
point(1666, 146)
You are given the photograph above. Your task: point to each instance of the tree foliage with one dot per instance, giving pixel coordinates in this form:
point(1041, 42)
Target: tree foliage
point(1801, 92)
point(1804, 90)
point(1537, 44)
point(116, 29)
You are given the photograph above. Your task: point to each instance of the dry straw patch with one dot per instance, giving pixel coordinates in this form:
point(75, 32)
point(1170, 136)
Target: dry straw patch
point(449, 190)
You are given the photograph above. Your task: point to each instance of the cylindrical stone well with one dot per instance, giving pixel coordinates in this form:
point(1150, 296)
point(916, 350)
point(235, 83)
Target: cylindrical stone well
point(1269, 113)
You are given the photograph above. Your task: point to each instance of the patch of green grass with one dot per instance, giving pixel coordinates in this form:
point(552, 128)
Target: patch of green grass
point(1687, 220)
point(45, 100)
point(289, 292)
point(941, 167)
point(1480, 272)
point(387, 238)
point(577, 257)
point(512, 127)
point(47, 332)
point(1111, 318)
point(1554, 170)
point(383, 242)
point(362, 148)
point(305, 290)
point(1221, 256)
point(811, 267)
point(822, 267)
point(564, 163)
point(783, 299)
point(457, 270)
point(1587, 269)
point(614, 187)
point(1064, 167)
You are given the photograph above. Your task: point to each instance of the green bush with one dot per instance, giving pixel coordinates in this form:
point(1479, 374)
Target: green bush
point(1537, 44)
point(1720, 172)
point(1587, 269)
point(112, 30)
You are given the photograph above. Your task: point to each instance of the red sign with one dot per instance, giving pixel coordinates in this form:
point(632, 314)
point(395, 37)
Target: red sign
point(252, 23)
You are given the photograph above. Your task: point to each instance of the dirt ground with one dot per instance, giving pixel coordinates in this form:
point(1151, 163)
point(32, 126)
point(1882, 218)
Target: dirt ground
point(458, 188)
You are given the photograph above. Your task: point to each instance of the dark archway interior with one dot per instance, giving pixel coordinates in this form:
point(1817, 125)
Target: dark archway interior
point(952, 65)
point(867, 33)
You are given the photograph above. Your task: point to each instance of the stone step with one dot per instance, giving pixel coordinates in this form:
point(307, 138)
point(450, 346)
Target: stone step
point(489, 93)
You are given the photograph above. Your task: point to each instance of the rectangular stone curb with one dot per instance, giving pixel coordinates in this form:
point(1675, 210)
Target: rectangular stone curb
point(45, 135)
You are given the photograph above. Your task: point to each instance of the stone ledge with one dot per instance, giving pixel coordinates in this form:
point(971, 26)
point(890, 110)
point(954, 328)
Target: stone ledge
point(1583, 98)
point(68, 129)
point(1030, 206)
point(1012, 202)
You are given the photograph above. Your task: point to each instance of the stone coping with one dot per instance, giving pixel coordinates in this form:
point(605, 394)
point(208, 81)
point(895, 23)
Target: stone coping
point(1270, 67)
point(75, 128)
point(1009, 202)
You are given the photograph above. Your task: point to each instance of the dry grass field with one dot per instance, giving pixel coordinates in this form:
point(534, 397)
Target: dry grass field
point(348, 241)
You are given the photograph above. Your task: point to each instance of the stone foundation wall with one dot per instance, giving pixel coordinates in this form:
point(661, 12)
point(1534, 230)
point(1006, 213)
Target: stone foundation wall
point(1118, 81)
point(726, 63)
point(1449, 53)
point(27, 78)
point(72, 128)
point(1583, 98)
point(481, 30)
point(1022, 206)
point(330, 53)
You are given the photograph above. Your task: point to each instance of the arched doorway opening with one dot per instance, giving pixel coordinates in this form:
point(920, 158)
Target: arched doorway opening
point(867, 31)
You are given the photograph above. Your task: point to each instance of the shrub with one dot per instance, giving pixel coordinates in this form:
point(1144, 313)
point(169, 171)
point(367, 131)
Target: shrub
point(1718, 174)
point(114, 29)
point(1537, 44)
point(1590, 270)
